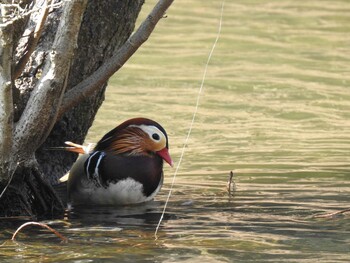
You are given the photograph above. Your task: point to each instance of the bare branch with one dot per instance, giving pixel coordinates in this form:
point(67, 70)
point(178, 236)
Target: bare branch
point(32, 40)
point(330, 215)
point(41, 110)
point(64, 239)
point(85, 88)
point(16, 12)
point(6, 104)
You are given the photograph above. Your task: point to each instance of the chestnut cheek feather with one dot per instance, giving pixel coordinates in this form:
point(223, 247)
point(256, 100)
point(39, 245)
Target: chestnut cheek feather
point(164, 154)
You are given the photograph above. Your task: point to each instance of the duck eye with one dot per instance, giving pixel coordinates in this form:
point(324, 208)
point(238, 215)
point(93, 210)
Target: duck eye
point(155, 136)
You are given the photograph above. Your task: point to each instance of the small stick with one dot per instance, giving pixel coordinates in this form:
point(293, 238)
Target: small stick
point(64, 239)
point(333, 214)
point(231, 186)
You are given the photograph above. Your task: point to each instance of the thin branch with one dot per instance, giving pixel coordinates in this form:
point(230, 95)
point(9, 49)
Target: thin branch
point(64, 239)
point(6, 102)
point(88, 86)
point(32, 40)
point(231, 185)
point(333, 214)
point(42, 107)
point(9, 180)
point(17, 12)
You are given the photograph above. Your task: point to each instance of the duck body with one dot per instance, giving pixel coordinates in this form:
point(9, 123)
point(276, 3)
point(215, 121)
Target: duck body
point(125, 167)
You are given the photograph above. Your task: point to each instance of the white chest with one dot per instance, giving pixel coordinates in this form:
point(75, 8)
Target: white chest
point(127, 191)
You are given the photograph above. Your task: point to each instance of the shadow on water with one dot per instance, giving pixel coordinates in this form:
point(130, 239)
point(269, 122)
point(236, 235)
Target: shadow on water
point(140, 215)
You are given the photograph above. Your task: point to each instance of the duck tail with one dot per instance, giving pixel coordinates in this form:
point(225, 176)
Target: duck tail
point(75, 148)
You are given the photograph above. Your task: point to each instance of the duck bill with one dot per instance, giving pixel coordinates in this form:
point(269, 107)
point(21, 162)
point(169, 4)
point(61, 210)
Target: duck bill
point(164, 154)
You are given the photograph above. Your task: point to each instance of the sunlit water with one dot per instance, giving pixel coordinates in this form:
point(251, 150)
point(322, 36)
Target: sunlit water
point(274, 110)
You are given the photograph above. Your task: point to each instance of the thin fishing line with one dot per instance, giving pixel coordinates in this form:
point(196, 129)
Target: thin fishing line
point(193, 118)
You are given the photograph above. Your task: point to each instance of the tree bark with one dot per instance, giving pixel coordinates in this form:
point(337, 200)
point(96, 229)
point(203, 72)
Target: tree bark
point(6, 103)
point(40, 112)
point(30, 195)
point(105, 27)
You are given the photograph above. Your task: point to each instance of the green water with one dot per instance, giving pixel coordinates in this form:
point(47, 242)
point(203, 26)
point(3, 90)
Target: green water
point(275, 110)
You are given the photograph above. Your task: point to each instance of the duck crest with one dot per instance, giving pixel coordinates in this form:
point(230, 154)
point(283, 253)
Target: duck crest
point(130, 141)
point(128, 138)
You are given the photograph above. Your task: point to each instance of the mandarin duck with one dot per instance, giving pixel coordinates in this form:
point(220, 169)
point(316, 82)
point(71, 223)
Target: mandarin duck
point(125, 167)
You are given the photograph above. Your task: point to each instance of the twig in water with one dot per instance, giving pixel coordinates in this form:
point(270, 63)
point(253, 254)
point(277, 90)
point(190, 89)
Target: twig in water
point(64, 239)
point(231, 185)
point(333, 214)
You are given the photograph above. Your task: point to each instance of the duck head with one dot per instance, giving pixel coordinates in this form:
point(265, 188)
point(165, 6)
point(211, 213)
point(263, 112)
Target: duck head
point(138, 136)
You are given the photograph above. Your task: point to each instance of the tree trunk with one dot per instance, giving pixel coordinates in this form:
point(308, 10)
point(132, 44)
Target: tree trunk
point(106, 26)
point(29, 195)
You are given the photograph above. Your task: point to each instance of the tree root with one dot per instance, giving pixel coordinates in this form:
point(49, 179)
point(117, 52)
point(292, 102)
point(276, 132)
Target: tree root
point(30, 195)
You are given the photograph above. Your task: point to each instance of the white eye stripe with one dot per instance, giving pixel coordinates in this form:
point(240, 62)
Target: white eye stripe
point(151, 131)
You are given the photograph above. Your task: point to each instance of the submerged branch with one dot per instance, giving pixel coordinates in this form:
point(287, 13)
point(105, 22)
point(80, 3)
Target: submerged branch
point(231, 185)
point(88, 86)
point(329, 215)
point(64, 239)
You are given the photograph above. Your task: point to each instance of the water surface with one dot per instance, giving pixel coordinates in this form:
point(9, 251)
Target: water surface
point(274, 110)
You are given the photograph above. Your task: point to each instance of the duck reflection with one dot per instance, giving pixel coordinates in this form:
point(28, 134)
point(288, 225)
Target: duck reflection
point(145, 214)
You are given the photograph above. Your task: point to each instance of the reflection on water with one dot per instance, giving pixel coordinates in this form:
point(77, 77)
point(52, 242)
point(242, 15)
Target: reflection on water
point(275, 110)
point(143, 215)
